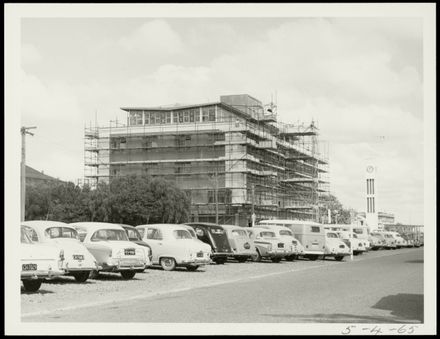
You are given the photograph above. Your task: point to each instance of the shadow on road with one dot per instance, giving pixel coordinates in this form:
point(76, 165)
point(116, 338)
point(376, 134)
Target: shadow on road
point(177, 270)
point(419, 261)
point(334, 318)
point(407, 306)
point(67, 280)
point(40, 291)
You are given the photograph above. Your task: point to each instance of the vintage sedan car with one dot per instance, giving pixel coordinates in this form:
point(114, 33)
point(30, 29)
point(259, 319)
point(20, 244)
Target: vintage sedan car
point(334, 246)
point(112, 249)
point(268, 245)
point(78, 262)
point(39, 262)
point(243, 249)
point(173, 246)
point(376, 241)
point(290, 242)
point(356, 244)
point(134, 235)
point(215, 236)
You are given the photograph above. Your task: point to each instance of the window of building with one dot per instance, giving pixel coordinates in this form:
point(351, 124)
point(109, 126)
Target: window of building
point(185, 116)
point(175, 117)
point(205, 114)
point(147, 118)
point(168, 117)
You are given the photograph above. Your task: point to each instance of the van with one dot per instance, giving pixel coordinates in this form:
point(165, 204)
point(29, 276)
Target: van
point(310, 234)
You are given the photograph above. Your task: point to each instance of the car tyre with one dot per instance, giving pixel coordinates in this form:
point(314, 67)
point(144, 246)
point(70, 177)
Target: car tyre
point(32, 285)
point(339, 257)
point(242, 259)
point(81, 276)
point(313, 257)
point(290, 258)
point(258, 257)
point(192, 268)
point(168, 264)
point(220, 261)
point(276, 260)
point(127, 275)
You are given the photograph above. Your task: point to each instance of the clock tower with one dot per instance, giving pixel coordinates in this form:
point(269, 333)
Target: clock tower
point(371, 214)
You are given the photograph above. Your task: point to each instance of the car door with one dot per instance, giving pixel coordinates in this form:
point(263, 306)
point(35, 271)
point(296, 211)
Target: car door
point(154, 237)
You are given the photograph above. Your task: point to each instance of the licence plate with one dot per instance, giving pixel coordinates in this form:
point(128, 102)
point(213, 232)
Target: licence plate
point(78, 257)
point(200, 255)
point(29, 267)
point(129, 251)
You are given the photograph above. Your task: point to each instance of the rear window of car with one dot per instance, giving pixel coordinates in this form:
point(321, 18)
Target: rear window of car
point(110, 234)
point(239, 233)
point(267, 234)
point(181, 234)
point(286, 232)
point(315, 229)
point(332, 235)
point(61, 232)
point(217, 230)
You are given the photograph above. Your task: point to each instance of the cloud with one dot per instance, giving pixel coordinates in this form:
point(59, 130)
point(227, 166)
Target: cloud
point(154, 38)
point(30, 55)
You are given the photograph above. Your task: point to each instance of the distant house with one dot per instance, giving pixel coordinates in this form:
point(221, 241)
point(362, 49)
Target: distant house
point(34, 177)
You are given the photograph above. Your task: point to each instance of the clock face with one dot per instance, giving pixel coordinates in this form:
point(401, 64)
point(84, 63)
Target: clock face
point(370, 169)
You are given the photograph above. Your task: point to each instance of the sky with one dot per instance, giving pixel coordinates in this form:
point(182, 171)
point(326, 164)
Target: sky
point(359, 79)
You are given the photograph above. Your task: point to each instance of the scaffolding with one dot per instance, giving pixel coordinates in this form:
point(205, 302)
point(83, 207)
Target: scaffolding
point(232, 158)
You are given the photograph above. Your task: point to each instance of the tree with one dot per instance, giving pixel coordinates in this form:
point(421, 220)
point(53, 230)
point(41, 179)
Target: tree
point(338, 212)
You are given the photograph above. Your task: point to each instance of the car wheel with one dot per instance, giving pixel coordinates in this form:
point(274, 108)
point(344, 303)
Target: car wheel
point(257, 257)
point(192, 268)
point(242, 259)
point(339, 258)
point(128, 274)
point(276, 260)
point(32, 285)
point(94, 274)
point(290, 258)
point(81, 276)
point(168, 264)
point(220, 261)
point(312, 257)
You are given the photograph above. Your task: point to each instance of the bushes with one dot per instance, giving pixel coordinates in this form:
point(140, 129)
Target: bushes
point(130, 200)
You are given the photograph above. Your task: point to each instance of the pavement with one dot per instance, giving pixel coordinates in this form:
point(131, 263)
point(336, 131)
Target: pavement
point(377, 287)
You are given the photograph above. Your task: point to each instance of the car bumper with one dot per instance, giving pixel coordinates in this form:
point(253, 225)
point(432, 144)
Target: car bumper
point(201, 261)
point(33, 275)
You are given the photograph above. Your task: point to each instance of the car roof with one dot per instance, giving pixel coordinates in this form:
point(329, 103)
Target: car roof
point(290, 221)
point(259, 229)
point(90, 226)
point(165, 226)
point(203, 224)
point(276, 227)
point(43, 224)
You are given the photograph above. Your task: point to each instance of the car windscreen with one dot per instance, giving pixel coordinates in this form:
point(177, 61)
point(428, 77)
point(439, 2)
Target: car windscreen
point(25, 237)
point(286, 232)
point(332, 235)
point(110, 234)
point(133, 235)
point(239, 233)
point(266, 234)
point(181, 234)
point(61, 232)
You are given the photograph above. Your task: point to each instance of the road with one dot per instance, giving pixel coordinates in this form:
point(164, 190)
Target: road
point(380, 287)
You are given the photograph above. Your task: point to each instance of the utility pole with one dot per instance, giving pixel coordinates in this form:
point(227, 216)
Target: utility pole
point(252, 205)
point(24, 131)
point(216, 196)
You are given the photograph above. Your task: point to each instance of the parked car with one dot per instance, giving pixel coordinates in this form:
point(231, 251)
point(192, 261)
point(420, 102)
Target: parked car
point(376, 241)
point(78, 262)
point(243, 249)
point(215, 236)
point(400, 242)
point(173, 246)
point(390, 241)
point(39, 262)
point(291, 243)
point(310, 234)
point(134, 236)
point(356, 244)
point(268, 245)
point(363, 235)
point(112, 249)
point(335, 247)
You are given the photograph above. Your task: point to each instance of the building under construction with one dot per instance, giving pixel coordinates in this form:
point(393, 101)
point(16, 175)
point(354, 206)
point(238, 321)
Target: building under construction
point(232, 158)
